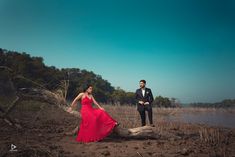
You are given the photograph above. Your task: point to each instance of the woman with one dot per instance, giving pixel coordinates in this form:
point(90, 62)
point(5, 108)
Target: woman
point(96, 124)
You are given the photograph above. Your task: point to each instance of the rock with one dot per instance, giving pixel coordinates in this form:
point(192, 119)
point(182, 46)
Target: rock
point(102, 147)
point(136, 147)
point(147, 143)
point(53, 147)
point(172, 139)
point(106, 153)
point(184, 151)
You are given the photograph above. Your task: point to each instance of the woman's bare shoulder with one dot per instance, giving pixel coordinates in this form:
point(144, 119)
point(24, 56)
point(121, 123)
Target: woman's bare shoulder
point(81, 94)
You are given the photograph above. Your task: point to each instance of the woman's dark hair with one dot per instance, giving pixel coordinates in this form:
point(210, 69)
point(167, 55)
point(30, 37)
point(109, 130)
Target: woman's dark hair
point(143, 81)
point(86, 87)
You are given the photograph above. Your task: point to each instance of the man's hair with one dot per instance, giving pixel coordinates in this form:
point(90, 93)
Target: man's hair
point(143, 81)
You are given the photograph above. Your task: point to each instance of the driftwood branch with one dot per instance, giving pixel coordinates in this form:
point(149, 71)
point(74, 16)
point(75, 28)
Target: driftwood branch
point(41, 95)
point(6, 118)
point(10, 108)
point(11, 122)
point(139, 132)
point(6, 68)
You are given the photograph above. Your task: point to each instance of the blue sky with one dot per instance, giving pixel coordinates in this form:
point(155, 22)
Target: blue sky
point(183, 48)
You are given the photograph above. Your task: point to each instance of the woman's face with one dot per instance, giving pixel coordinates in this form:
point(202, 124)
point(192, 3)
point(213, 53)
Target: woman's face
point(89, 90)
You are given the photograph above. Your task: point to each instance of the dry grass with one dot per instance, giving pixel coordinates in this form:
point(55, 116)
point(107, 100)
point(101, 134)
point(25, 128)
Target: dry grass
point(129, 117)
point(213, 136)
point(216, 139)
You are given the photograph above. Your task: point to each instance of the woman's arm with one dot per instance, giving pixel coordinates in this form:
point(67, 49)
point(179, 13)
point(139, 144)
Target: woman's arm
point(75, 102)
point(95, 102)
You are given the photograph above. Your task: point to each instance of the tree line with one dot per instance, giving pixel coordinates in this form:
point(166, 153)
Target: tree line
point(227, 103)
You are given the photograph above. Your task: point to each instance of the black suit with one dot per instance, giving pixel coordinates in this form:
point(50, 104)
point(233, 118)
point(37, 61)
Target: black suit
point(148, 97)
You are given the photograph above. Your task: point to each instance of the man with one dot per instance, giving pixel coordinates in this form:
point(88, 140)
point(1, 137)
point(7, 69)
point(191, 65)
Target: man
point(144, 99)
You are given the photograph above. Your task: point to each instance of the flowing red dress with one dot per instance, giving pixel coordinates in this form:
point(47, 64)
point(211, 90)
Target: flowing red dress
point(95, 124)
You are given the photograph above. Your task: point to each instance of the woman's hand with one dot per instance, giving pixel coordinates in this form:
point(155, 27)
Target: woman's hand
point(102, 108)
point(70, 109)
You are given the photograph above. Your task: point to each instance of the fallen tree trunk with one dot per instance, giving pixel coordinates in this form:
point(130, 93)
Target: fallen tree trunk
point(139, 132)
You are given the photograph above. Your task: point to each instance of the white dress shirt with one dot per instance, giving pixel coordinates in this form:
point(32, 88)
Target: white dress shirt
point(143, 91)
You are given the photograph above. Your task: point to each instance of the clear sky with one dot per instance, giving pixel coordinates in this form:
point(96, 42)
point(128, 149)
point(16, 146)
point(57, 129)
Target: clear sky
point(183, 48)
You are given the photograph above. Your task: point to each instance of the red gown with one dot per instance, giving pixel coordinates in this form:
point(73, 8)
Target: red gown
point(95, 124)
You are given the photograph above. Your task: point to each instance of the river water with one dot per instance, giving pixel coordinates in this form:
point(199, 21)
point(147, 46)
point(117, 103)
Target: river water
point(223, 119)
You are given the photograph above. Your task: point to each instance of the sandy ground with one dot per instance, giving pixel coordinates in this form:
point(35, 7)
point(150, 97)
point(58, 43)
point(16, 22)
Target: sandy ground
point(44, 129)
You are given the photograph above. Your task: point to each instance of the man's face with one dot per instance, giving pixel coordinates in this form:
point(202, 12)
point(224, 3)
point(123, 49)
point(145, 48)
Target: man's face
point(142, 84)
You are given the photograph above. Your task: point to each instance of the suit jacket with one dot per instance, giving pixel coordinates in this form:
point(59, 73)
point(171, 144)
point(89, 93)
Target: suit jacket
point(148, 96)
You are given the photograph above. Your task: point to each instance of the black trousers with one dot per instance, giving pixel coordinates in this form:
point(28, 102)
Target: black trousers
point(142, 109)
